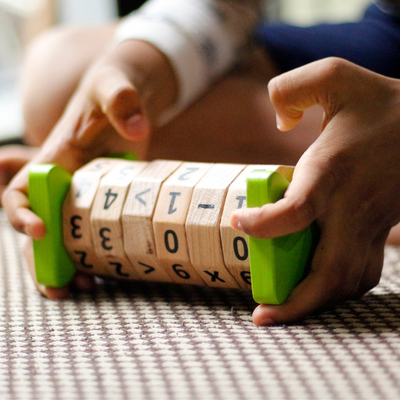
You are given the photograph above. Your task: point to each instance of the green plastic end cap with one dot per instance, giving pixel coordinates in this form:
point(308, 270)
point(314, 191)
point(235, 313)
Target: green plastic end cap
point(128, 156)
point(276, 265)
point(48, 185)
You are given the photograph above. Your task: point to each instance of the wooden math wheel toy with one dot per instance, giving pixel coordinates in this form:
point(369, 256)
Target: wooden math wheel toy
point(164, 221)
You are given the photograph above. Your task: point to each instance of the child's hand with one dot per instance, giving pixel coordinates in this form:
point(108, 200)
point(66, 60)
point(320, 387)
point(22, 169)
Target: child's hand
point(12, 159)
point(348, 181)
point(117, 101)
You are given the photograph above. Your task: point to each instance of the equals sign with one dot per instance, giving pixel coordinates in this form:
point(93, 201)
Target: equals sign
point(206, 206)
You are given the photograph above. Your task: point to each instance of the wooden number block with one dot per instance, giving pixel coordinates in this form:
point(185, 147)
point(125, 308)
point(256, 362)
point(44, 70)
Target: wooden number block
point(235, 244)
point(202, 225)
point(169, 222)
point(137, 220)
point(106, 218)
point(76, 214)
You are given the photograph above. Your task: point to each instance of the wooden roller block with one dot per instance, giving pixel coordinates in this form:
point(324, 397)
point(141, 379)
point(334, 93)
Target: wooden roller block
point(166, 221)
point(202, 225)
point(137, 220)
point(106, 218)
point(77, 208)
point(169, 222)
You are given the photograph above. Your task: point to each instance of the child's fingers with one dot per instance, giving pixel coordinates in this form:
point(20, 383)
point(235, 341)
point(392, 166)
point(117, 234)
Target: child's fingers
point(373, 269)
point(273, 220)
point(12, 159)
point(16, 205)
point(316, 83)
point(305, 200)
point(120, 102)
point(309, 296)
point(340, 182)
point(83, 282)
point(51, 293)
point(337, 272)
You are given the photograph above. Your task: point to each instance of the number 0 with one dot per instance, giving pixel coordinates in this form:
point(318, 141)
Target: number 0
point(173, 249)
point(245, 250)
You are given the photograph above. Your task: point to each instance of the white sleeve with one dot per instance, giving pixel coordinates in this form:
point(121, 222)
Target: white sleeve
point(201, 38)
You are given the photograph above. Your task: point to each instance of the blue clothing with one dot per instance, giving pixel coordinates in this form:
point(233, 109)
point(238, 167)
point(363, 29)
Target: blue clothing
point(373, 42)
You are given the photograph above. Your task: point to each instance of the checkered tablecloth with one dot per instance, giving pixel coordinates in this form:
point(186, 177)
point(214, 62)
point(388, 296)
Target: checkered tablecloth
point(157, 341)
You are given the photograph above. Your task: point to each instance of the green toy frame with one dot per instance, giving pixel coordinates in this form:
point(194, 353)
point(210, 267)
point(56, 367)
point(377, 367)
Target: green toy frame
point(276, 265)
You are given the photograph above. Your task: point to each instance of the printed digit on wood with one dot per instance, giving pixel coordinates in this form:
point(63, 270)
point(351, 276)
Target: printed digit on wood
point(202, 224)
point(169, 222)
point(137, 220)
point(106, 218)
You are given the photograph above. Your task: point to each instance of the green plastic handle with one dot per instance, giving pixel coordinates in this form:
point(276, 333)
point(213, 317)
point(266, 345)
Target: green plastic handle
point(48, 185)
point(128, 156)
point(276, 265)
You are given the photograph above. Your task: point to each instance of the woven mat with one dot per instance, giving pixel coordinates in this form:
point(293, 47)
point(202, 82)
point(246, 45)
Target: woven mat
point(159, 341)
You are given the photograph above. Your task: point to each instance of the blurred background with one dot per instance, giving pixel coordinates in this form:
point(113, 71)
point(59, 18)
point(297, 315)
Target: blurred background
point(22, 20)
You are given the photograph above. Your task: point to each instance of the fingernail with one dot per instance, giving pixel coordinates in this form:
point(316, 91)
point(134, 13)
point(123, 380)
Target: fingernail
point(27, 230)
point(57, 294)
point(134, 120)
point(136, 125)
point(84, 283)
point(236, 224)
point(267, 322)
point(41, 289)
point(279, 122)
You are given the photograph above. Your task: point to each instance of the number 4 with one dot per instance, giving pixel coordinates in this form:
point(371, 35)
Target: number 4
point(110, 198)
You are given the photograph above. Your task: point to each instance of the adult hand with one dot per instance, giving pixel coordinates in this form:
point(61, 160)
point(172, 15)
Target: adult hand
point(348, 181)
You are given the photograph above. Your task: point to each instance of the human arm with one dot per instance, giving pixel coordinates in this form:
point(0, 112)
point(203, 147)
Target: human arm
point(347, 181)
